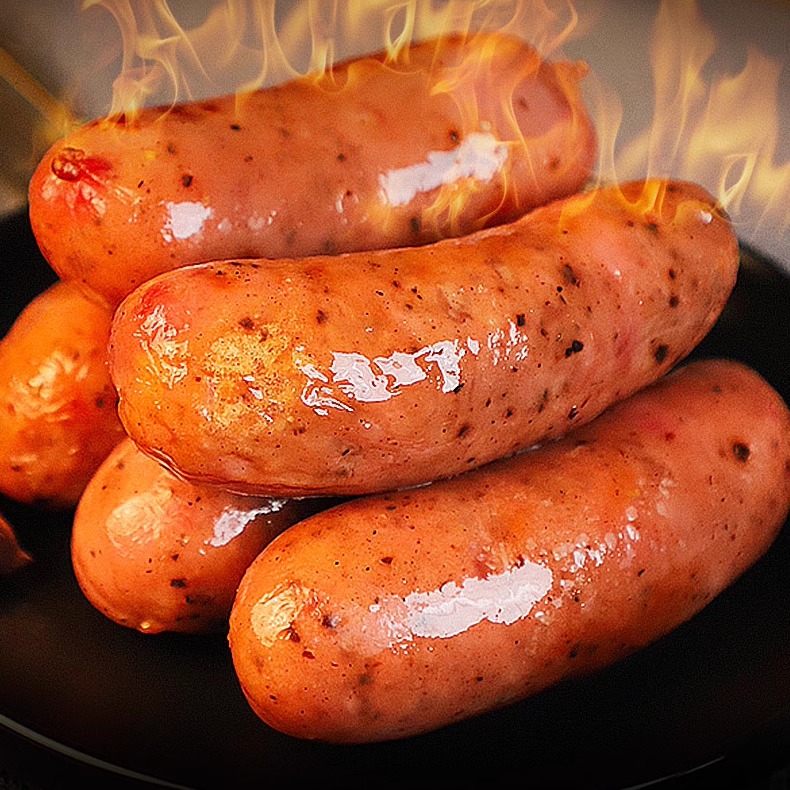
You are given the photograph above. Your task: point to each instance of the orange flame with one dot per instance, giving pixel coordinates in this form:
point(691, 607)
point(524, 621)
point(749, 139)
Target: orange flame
point(720, 130)
point(254, 43)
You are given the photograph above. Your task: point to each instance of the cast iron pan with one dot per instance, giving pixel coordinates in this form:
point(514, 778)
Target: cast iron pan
point(168, 707)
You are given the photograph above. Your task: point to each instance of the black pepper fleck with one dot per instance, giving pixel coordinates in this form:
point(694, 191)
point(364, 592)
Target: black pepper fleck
point(741, 452)
point(661, 353)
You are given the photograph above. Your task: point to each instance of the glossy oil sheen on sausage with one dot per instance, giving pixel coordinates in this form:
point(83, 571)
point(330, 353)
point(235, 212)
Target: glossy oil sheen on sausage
point(396, 614)
point(352, 374)
point(452, 136)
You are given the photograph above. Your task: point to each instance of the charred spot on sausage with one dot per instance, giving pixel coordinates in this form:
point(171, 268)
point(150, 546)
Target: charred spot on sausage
point(741, 451)
point(574, 348)
point(570, 276)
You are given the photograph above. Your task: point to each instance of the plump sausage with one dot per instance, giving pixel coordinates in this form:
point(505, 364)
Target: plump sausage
point(58, 418)
point(370, 371)
point(400, 613)
point(155, 553)
point(456, 135)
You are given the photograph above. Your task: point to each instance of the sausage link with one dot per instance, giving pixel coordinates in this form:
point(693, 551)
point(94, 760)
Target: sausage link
point(370, 371)
point(455, 136)
point(400, 613)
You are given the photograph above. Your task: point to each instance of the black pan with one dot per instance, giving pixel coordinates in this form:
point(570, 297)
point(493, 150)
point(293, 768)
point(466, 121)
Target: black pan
point(715, 692)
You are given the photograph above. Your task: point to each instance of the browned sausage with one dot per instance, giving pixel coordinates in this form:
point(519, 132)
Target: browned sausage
point(400, 613)
point(369, 371)
point(457, 135)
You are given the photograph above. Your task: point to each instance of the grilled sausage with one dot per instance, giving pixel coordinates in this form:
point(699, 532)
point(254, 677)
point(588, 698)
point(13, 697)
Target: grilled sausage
point(58, 418)
point(455, 135)
point(399, 613)
point(155, 553)
point(370, 371)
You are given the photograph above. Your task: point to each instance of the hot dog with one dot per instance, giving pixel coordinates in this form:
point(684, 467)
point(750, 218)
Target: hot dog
point(370, 371)
point(58, 418)
point(395, 614)
point(155, 553)
point(458, 134)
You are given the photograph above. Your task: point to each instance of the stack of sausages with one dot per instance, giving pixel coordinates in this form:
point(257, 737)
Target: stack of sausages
point(396, 399)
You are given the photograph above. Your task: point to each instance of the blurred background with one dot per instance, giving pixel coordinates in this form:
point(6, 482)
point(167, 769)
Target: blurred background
point(722, 60)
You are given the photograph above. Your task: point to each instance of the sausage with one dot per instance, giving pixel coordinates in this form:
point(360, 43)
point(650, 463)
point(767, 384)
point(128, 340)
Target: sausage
point(396, 614)
point(456, 134)
point(371, 371)
point(155, 553)
point(58, 418)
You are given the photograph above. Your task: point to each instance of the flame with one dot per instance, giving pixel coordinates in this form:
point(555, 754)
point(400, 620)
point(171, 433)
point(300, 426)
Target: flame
point(56, 118)
point(719, 130)
point(251, 44)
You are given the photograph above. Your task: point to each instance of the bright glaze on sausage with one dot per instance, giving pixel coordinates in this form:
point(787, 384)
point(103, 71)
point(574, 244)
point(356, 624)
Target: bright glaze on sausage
point(400, 613)
point(371, 371)
point(453, 136)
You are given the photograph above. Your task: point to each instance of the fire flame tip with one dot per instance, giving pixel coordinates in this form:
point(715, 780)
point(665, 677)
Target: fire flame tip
point(720, 131)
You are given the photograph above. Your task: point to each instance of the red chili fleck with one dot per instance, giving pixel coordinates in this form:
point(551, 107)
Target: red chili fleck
point(72, 164)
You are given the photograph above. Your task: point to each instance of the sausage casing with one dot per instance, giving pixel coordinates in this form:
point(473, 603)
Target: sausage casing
point(352, 374)
point(457, 135)
point(399, 613)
